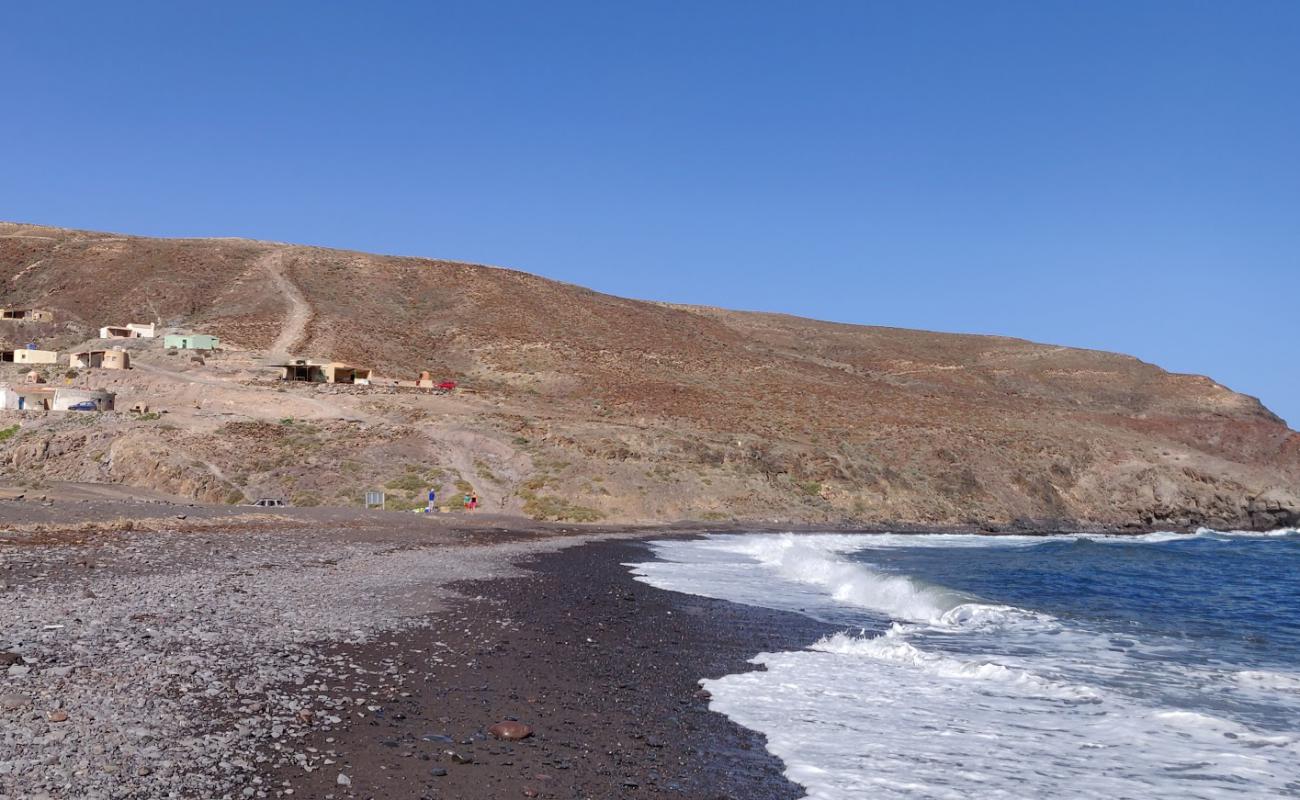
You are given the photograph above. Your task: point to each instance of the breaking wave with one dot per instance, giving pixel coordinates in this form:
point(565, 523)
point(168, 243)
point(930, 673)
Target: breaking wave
point(932, 691)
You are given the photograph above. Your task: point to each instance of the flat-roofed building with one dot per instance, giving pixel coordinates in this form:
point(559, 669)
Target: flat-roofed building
point(29, 356)
point(36, 397)
point(191, 341)
point(100, 359)
point(131, 330)
point(307, 371)
point(27, 314)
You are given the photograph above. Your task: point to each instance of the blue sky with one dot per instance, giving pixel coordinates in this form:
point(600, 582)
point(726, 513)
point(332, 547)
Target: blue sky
point(1117, 175)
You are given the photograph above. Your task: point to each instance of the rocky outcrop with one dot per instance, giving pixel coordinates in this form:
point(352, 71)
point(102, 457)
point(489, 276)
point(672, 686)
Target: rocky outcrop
point(65, 450)
point(139, 459)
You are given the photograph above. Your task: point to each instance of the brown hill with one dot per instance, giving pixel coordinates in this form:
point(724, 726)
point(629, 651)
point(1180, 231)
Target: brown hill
point(588, 405)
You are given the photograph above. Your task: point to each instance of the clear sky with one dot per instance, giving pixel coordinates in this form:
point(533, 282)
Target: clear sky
point(1117, 175)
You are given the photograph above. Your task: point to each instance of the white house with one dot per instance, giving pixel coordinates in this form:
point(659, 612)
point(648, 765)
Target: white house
point(131, 330)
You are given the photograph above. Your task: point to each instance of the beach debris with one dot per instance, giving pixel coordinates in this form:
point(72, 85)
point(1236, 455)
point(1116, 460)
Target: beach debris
point(343, 780)
point(510, 731)
point(460, 758)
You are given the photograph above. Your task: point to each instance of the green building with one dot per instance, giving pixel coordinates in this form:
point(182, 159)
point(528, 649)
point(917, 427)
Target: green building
point(191, 341)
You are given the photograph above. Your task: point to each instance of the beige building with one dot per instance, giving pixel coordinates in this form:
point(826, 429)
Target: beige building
point(101, 359)
point(307, 371)
point(29, 357)
point(27, 314)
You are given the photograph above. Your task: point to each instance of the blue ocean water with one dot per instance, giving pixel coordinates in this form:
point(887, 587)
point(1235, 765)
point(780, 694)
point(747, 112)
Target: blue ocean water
point(1163, 665)
point(1230, 602)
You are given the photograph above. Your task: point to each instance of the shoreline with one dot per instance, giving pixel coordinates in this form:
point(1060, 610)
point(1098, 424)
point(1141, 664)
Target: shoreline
point(93, 507)
point(604, 669)
point(202, 662)
point(222, 660)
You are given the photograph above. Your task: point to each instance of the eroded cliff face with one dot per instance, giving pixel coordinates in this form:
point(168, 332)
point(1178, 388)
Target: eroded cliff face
point(127, 457)
point(588, 406)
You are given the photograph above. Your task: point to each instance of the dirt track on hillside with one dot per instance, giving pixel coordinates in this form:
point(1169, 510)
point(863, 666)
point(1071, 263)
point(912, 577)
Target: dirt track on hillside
point(286, 344)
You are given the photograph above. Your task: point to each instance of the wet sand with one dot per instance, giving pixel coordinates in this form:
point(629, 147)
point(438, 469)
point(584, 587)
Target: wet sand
point(603, 669)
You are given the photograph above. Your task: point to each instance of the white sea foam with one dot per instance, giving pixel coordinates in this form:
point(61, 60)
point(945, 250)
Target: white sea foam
point(1275, 532)
point(893, 647)
point(953, 697)
point(901, 724)
point(1268, 680)
point(724, 567)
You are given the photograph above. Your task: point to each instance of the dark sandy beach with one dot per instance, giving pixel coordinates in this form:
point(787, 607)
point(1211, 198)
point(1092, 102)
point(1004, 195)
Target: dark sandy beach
point(156, 653)
point(602, 668)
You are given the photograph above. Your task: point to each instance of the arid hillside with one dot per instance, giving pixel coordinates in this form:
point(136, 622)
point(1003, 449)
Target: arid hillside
point(586, 406)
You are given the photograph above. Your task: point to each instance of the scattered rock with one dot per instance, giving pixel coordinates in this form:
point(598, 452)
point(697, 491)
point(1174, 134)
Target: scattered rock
point(510, 731)
point(11, 700)
point(9, 659)
point(343, 780)
point(57, 716)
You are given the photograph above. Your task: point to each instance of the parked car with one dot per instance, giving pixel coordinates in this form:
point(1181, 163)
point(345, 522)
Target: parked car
point(84, 405)
point(269, 502)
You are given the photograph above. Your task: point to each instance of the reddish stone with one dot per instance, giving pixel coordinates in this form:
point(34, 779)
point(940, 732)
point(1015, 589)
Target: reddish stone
point(510, 731)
